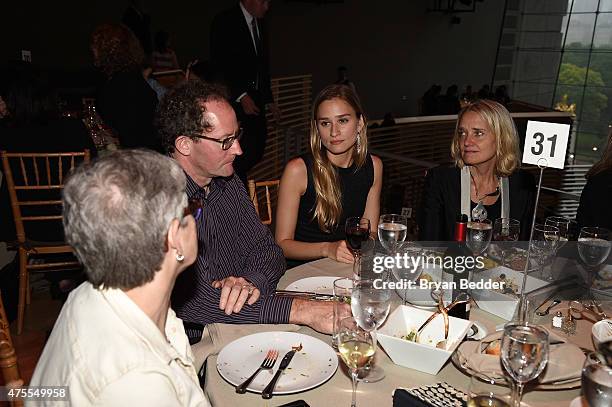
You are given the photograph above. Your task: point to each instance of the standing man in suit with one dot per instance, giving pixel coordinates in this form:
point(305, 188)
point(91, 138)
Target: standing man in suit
point(238, 50)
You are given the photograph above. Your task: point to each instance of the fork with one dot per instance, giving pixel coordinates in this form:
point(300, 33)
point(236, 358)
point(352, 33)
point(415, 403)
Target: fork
point(268, 363)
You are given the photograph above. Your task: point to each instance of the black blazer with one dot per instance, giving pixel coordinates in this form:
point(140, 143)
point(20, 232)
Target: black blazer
point(442, 203)
point(233, 54)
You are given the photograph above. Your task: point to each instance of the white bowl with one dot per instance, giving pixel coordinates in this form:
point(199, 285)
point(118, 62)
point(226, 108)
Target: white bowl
point(601, 332)
point(423, 356)
point(497, 303)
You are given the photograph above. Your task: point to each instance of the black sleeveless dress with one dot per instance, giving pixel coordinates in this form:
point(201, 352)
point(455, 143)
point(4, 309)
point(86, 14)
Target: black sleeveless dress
point(355, 186)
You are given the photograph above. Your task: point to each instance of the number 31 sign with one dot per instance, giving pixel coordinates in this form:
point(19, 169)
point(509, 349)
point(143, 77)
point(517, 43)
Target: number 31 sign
point(546, 144)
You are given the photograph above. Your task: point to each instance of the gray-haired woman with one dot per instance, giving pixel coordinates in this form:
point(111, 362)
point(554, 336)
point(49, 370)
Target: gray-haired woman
point(116, 341)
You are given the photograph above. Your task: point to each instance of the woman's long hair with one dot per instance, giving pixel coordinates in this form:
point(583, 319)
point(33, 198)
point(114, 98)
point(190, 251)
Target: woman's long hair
point(606, 160)
point(328, 207)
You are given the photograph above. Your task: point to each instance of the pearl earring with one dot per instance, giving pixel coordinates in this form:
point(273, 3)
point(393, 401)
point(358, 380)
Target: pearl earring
point(180, 257)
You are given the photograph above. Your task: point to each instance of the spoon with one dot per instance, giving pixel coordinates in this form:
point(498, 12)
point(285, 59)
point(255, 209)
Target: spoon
point(547, 310)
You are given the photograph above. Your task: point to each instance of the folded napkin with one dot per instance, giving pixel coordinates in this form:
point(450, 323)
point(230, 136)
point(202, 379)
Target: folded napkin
point(438, 394)
point(216, 336)
point(565, 359)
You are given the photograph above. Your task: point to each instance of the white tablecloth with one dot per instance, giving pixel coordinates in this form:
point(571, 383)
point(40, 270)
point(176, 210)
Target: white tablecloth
point(337, 391)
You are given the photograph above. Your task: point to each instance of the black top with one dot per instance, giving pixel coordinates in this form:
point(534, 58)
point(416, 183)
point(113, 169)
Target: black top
point(442, 203)
point(127, 104)
point(594, 208)
point(355, 186)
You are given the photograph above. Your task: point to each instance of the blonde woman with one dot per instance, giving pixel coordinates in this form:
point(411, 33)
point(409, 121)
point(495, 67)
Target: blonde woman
point(336, 180)
point(484, 182)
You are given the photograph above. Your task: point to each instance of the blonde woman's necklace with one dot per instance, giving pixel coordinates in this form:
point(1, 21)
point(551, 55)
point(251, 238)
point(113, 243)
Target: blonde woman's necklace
point(479, 213)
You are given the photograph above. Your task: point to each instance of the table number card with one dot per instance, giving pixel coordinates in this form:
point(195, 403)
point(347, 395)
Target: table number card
point(546, 144)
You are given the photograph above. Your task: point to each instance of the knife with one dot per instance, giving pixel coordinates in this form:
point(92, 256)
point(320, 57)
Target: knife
point(304, 294)
point(267, 392)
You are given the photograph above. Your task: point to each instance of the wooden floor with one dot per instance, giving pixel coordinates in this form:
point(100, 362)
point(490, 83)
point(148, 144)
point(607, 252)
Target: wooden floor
point(40, 317)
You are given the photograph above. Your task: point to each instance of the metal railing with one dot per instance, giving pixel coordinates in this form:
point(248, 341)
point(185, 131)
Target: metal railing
point(286, 137)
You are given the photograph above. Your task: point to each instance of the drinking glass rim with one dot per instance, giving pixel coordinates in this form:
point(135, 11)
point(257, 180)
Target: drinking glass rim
point(595, 230)
point(509, 329)
point(510, 221)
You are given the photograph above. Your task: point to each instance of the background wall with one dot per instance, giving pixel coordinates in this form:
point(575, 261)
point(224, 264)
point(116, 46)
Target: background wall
point(393, 49)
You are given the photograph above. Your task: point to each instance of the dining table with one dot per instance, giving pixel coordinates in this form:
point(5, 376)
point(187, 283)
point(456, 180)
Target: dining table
point(337, 390)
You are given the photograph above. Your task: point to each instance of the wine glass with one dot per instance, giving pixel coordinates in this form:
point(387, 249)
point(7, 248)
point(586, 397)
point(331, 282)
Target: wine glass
point(356, 348)
point(479, 236)
point(408, 274)
point(596, 381)
point(357, 231)
point(524, 354)
point(506, 230)
point(563, 224)
point(342, 291)
point(593, 248)
point(486, 389)
point(392, 230)
point(544, 242)
point(370, 304)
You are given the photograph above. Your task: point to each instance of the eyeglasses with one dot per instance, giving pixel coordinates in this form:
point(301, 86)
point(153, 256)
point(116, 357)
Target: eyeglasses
point(227, 142)
point(194, 208)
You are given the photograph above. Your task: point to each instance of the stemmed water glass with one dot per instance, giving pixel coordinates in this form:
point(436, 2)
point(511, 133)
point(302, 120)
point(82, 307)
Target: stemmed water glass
point(478, 236)
point(357, 230)
point(594, 248)
point(370, 305)
point(563, 224)
point(506, 230)
point(356, 347)
point(524, 354)
point(544, 242)
point(392, 230)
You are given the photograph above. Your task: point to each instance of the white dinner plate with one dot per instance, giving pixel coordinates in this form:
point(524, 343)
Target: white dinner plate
point(319, 285)
point(309, 368)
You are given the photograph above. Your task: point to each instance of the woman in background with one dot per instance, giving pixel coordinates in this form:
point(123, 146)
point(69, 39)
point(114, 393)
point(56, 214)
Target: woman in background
point(338, 179)
point(486, 152)
point(125, 102)
point(594, 208)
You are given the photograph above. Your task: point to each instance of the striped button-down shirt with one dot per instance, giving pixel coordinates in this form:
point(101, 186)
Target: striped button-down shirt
point(232, 241)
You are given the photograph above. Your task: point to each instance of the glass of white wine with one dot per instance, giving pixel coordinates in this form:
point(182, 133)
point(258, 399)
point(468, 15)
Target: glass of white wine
point(356, 349)
point(370, 305)
point(488, 390)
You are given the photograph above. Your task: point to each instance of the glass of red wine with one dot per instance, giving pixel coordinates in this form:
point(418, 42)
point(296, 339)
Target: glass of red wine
point(357, 231)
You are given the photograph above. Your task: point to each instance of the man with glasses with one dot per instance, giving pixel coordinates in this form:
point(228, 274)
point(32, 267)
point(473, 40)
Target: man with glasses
point(239, 264)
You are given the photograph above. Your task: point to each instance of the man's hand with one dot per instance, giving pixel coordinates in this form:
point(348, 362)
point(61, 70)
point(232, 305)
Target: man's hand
point(319, 315)
point(235, 291)
point(339, 251)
